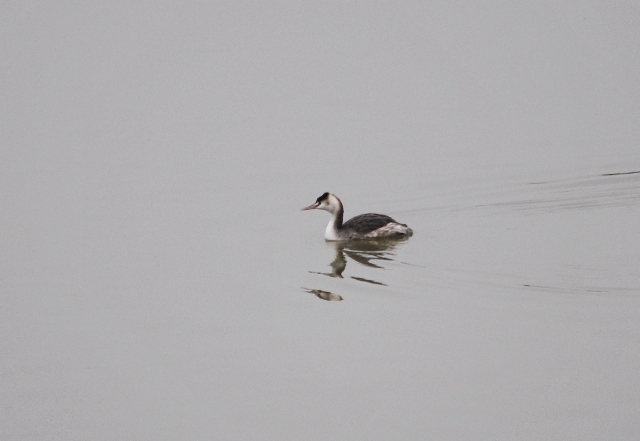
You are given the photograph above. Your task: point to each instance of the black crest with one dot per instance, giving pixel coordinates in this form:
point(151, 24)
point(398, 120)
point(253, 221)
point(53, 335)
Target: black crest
point(323, 197)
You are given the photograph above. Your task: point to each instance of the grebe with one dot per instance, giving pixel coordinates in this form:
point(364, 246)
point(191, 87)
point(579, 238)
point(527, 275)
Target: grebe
point(365, 226)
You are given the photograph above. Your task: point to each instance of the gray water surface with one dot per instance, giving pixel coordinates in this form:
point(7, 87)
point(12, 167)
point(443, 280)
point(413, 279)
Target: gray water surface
point(159, 281)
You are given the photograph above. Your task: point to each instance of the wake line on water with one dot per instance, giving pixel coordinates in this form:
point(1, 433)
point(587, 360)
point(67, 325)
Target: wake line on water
point(544, 196)
point(623, 173)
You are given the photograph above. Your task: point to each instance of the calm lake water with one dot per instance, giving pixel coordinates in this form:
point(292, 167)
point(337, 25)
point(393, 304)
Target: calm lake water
point(159, 280)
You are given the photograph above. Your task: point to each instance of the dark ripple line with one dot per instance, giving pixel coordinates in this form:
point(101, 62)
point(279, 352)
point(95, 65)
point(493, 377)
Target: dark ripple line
point(621, 173)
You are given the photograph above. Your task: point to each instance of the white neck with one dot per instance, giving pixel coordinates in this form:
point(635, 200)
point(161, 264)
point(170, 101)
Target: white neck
point(331, 233)
point(334, 206)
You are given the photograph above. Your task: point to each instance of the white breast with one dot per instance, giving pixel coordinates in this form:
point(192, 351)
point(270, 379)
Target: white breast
point(330, 233)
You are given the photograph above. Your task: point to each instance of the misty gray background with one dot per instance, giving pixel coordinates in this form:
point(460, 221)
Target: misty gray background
point(156, 273)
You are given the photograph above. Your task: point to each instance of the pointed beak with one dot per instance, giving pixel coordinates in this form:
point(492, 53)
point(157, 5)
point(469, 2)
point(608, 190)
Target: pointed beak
point(311, 207)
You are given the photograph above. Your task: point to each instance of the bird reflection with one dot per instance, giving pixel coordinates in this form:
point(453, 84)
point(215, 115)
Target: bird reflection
point(324, 295)
point(371, 253)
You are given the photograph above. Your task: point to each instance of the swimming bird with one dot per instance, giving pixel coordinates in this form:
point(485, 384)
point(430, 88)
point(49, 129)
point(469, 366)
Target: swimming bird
point(364, 226)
